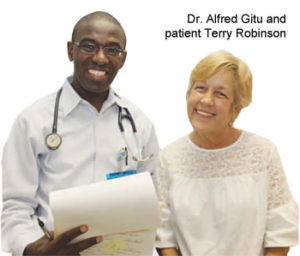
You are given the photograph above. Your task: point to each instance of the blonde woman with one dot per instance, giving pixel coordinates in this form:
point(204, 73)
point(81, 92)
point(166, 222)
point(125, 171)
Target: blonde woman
point(224, 189)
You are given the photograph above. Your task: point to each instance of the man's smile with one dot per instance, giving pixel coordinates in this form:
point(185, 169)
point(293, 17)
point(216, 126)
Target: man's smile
point(97, 72)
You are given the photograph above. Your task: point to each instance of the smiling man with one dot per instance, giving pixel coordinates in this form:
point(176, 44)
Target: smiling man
point(82, 134)
point(98, 52)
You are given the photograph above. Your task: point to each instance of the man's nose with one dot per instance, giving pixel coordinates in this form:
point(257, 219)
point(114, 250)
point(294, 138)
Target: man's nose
point(100, 57)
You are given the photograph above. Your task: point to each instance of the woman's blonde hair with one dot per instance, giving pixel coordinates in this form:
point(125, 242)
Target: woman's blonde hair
point(223, 60)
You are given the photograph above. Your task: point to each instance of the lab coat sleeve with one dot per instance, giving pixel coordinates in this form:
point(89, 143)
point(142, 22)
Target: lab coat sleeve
point(282, 215)
point(20, 175)
point(165, 237)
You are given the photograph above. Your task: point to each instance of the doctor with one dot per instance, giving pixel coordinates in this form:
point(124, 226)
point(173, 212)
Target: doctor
point(81, 134)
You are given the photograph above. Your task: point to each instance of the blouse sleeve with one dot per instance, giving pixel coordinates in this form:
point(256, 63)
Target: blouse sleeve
point(165, 236)
point(282, 215)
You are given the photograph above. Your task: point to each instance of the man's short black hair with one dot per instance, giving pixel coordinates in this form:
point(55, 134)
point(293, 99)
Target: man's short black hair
point(97, 15)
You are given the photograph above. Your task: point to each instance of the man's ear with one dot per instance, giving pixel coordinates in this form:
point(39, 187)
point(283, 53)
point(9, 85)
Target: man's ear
point(70, 50)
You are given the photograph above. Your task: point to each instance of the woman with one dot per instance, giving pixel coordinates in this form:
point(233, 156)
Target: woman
point(223, 189)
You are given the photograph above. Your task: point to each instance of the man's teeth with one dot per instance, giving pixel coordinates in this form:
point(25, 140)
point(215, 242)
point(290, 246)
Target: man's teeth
point(97, 72)
point(204, 113)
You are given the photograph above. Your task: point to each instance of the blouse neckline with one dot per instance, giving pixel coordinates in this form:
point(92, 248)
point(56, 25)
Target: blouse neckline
point(217, 149)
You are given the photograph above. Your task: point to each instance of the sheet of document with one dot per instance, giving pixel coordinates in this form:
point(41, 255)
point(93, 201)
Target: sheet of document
point(124, 211)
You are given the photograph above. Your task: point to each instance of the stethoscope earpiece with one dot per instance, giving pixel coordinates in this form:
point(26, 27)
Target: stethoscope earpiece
point(129, 118)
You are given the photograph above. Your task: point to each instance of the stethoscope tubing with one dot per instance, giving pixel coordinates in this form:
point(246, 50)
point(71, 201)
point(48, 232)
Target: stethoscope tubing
point(55, 117)
point(128, 116)
point(54, 140)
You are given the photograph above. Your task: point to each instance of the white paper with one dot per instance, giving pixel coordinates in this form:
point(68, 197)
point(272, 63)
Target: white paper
point(122, 205)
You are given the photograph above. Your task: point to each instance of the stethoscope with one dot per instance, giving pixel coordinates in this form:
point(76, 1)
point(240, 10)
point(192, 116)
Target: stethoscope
point(53, 140)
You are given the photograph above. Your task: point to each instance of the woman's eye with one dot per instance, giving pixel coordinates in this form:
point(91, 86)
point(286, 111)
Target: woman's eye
point(200, 88)
point(221, 94)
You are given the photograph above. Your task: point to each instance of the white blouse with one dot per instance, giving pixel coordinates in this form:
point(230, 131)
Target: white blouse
point(229, 201)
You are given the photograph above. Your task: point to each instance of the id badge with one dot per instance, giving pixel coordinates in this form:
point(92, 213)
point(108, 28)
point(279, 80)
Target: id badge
point(115, 175)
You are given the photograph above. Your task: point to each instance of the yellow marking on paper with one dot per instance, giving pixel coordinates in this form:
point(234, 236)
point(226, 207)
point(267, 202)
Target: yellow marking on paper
point(160, 204)
point(114, 245)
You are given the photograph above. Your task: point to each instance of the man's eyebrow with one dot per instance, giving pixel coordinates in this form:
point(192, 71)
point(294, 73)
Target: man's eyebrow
point(88, 40)
point(112, 43)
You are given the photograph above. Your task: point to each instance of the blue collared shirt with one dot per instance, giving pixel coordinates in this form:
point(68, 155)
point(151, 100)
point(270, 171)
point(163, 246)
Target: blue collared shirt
point(90, 149)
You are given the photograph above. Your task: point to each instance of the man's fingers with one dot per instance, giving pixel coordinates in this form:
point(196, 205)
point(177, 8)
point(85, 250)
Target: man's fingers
point(66, 237)
point(86, 243)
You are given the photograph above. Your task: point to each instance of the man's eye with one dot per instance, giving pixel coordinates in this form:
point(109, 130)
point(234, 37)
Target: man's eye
point(112, 50)
point(88, 47)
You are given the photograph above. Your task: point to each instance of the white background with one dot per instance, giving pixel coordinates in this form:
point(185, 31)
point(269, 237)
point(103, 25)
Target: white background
point(34, 63)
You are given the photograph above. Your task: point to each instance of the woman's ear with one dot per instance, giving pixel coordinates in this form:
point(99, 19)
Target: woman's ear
point(237, 109)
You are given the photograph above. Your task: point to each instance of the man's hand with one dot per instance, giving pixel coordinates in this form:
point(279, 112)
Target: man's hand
point(168, 251)
point(61, 245)
point(277, 251)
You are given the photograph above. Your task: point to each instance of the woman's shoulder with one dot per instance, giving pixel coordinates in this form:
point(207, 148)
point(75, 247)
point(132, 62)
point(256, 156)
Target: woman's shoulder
point(257, 141)
point(176, 147)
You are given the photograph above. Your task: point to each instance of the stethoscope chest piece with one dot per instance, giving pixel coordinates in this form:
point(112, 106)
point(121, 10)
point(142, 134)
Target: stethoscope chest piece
point(53, 141)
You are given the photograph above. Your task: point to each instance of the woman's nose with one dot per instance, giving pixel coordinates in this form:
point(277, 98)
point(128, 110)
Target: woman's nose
point(207, 98)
